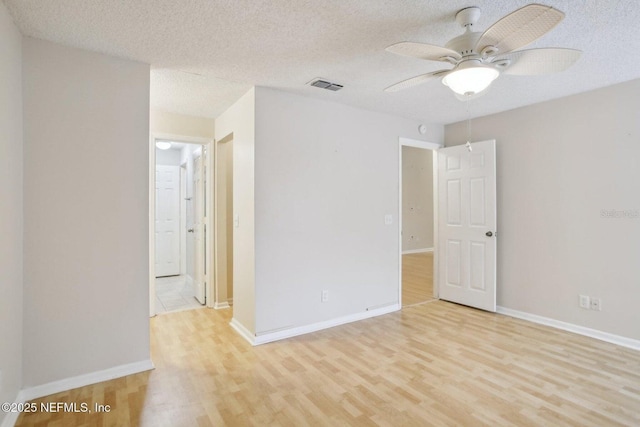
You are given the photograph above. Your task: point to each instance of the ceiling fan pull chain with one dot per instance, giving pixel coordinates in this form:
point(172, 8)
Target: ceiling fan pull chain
point(468, 144)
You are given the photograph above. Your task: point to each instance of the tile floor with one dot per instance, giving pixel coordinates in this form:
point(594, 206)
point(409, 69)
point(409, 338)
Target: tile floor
point(174, 293)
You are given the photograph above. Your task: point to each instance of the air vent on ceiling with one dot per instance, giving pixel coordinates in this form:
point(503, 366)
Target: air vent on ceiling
point(323, 84)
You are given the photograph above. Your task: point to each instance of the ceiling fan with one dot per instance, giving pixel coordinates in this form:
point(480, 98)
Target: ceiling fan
point(479, 58)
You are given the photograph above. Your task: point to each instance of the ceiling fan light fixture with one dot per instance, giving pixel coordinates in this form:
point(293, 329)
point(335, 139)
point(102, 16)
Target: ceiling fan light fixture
point(480, 57)
point(163, 145)
point(470, 78)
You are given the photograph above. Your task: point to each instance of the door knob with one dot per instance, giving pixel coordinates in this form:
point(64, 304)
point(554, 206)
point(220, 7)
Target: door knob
point(190, 230)
point(488, 234)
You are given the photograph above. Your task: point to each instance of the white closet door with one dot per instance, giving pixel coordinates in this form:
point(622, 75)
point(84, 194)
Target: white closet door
point(467, 224)
point(167, 220)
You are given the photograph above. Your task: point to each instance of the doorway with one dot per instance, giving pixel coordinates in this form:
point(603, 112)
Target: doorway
point(179, 244)
point(417, 222)
point(224, 223)
point(464, 256)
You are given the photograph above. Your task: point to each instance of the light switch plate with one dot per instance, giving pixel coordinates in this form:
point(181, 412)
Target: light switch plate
point(388, 219)
point(584, 302)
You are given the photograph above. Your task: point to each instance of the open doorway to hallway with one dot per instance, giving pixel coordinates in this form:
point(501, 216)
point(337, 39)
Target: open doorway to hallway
point(224, 222)
point(417, 234)
point(180, 226)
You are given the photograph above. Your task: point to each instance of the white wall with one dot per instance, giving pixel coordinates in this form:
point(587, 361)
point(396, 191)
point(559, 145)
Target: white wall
point(169, 157)
point(417, 198)
point(326, 175)
point(179, 124)
point(11, 199)
point(86, 212)
point(238, 124)
point(560, 164)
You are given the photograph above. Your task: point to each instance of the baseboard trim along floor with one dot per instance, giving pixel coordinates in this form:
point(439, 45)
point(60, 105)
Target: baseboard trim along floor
point(221, 305)
point(267, 337)
point(66, 384)
point(570, 327)
point(417, 251)
point(83, 380)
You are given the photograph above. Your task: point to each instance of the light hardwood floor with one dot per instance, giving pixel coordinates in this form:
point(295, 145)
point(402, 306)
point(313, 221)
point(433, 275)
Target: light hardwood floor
point(430, 364)
point(417, 278)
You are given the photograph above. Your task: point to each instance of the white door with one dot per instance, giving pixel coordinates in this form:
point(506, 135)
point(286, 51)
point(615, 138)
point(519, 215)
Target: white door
point(199, 228)
point(467, 224)
point(167, 220)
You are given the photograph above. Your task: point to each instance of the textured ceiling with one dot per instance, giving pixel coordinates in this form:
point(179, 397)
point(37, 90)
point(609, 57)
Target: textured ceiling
point(205, 54)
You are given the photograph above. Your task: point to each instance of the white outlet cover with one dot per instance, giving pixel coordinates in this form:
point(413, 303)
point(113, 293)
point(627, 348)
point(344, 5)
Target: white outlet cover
point(585, 302)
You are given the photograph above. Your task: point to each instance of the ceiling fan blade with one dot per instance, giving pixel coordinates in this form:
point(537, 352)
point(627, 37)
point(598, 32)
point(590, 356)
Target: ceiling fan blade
point(538, 61)
point(423, 51)
point(416, 80)
point(520, 28)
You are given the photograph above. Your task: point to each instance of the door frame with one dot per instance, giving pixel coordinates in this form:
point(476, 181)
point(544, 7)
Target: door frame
point(209, 144)
point(183, 218)
point(434, 147)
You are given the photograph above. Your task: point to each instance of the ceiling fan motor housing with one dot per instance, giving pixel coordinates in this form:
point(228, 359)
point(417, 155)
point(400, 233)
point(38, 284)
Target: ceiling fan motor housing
point(465, 44)
point(468, 16)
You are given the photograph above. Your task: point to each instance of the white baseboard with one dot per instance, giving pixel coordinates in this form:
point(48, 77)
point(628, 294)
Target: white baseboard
point(267, 337)
point(570, 327)
point(417, 251)
point(75, 382)
point(221, 305)
point(244, 332)
point(84, 380)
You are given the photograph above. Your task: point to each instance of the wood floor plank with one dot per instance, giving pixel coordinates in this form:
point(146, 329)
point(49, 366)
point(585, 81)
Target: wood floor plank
point(430, 364)
point(417, 278)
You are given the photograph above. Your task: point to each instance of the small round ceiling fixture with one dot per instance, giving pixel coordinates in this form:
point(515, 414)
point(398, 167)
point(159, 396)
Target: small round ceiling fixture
point(163, 145)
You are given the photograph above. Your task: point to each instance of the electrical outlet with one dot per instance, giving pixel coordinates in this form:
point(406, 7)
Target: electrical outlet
point(325, 296)
point(584, 302)
point(596, 304)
